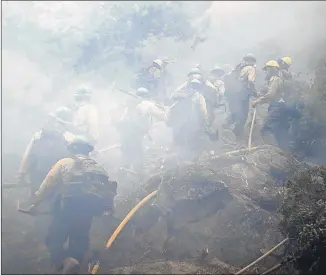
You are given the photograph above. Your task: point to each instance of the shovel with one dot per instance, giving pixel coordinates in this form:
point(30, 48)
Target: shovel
point(251, 128)
point(32, 213)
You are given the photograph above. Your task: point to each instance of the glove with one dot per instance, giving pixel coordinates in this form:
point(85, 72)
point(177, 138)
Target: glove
point(255, 103)
point(29, 210)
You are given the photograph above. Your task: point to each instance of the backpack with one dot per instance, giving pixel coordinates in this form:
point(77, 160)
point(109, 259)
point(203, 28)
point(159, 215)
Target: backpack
point(90, 182)
point(47, 150)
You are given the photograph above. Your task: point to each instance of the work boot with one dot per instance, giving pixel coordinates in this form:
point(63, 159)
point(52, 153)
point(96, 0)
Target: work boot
point(70, 266)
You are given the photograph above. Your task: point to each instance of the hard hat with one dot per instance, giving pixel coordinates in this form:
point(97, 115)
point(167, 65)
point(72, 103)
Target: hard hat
point(158, 62)
point(142, 92)
point(82, 141)
point(249, 56)
point(194, 71)
point(271, 63)
point(63, 114)
point(287, 60)
point(83, 91)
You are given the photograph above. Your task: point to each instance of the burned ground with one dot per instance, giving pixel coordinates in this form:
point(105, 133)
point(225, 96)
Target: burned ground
point(218, 206)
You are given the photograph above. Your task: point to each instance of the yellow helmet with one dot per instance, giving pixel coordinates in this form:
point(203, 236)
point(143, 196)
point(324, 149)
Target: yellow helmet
point(287, 60)
point(272, 63)
point(158, 62)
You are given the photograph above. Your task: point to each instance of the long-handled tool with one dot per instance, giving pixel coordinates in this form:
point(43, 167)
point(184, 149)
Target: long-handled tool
point(28, 212)
point(100, 151)
point(251, 128)
point(158, 105)
point(262, 257)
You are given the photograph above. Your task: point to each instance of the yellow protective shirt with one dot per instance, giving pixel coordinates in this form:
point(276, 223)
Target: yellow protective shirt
point(274, 91)
point(150, 109)
point(59, 174)
point(86, 122)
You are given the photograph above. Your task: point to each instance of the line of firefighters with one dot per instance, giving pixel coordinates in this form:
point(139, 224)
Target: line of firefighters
point(58, 156)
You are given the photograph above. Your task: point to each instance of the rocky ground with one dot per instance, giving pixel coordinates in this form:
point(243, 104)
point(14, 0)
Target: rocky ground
point(210, 217)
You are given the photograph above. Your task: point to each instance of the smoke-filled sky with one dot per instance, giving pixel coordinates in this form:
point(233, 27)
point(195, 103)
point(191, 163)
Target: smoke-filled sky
point(42, 42)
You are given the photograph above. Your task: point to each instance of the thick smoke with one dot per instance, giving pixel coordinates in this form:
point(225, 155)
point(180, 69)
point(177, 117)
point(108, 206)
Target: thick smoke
point(43, 42)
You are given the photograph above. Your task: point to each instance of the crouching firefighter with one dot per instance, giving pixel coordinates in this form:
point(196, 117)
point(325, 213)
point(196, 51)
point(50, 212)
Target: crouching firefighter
point(276, 122)
point(79, 189)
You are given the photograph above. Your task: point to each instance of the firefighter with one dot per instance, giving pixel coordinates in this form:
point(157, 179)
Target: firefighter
point(86, 115)
point(135, 125)
point(214, 91)
point(155, 78)
point(247, 75)
point(276, 122)
point(216, 79)
point(46, 147)
point(194, 73)
point(189, 118)
point(285, 64)
point(239, 84)
point(79, 189)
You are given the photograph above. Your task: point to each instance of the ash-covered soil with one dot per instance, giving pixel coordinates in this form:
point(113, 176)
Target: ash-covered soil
point(212, 217)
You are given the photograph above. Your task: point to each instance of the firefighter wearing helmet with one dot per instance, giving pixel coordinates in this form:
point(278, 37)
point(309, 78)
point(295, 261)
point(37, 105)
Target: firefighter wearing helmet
point(214, 91)
point(285, 64)
point(194, 90)
point(286, 76)
point(273, 129)
point(183, 89)
point(135, 125)
point(79, 189)
point(240, 87)
point(46, 147)
point(155, 78)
